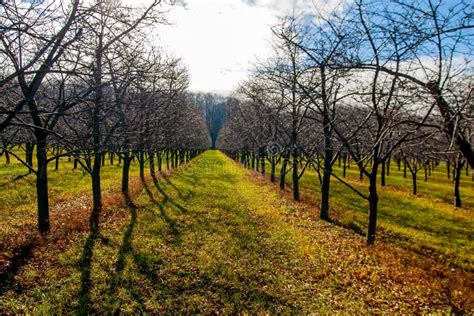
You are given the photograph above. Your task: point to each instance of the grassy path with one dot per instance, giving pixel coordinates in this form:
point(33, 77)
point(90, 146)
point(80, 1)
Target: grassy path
point(214, 239)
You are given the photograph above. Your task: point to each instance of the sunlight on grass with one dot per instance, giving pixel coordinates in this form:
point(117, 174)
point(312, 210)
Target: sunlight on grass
point(425, 222)
point(212, 239)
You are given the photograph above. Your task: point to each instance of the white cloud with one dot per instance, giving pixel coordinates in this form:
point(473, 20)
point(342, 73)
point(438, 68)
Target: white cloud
point(284, 7)
point(219, 40)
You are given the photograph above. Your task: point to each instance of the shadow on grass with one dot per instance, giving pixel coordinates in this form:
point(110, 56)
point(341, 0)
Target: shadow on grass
point(180, 193)
point(142, 261)
point(351, 226)
point(125, 250)
point(166, 197)
point(14, 180)
point(172, 224)
point(126, 246)
point(85, 265)
point(12, 267)
point(246, 234)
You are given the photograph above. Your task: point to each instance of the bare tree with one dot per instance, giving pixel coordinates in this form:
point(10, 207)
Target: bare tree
point(434, 41)
point(323, 44)
point(32, 44)
point(107, 27)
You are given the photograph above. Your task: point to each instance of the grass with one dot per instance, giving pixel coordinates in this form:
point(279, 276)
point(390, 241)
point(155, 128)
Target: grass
point(214, 239)
point(427, 222)
point(19, 186)
point(18, 193)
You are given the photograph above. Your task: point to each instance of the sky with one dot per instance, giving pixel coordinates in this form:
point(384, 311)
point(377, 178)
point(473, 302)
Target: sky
point(220, 40)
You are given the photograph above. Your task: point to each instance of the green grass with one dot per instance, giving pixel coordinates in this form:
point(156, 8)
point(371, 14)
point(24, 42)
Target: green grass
point(18, 189)
point(426, 222)
point(213, 238)
point(19, 186)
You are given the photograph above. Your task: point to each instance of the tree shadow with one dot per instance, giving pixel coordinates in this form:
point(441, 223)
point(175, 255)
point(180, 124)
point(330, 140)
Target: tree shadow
point(172, 224)
point(125, 250)
point(85, 265)
point(180, 192)
point(166, 197)
point(11, 269)
point(149, 264)
point(126, 246)
point(350, 226)
point(19, 177)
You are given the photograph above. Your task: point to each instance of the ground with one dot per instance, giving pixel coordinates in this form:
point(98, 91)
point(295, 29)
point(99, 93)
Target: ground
point(214, 237)
point(427, 223)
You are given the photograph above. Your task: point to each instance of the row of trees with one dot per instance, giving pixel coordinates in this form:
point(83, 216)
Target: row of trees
point(365, 83)
point(82, 79)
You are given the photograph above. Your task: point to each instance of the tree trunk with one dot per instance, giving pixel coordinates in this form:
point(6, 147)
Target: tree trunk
point(344, 166)
point(457, 181)
point(141, 162)
point(413, 174)
point(328, 156)
point(283, 171)
point(373, 202)
point(7, 157)
point(42, 185)
point(272, 169)
point(96, 192)
point(296, 188)
point(125, 171)
point(448, 166)
point(160, 159)
point(97, 139)
point(151, 157)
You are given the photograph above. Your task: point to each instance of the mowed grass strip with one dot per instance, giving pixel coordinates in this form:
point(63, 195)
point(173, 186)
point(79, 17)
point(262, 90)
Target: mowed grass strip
point(212, 238)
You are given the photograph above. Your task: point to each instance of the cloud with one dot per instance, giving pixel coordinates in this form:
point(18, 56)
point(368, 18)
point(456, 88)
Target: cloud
point(284, 7)
point(297, 8)
point(220, 40)
point(182, 3)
